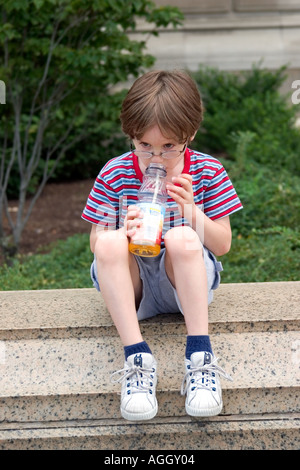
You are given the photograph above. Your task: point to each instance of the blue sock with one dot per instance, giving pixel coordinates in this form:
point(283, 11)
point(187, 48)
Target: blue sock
point(136, 348)
point(196, 344)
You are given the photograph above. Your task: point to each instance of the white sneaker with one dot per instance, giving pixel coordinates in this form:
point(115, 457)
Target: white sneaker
point(138, 401)
point(202, 385)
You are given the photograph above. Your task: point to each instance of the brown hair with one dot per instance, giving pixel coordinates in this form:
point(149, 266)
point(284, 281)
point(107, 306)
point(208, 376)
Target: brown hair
point(169, 99)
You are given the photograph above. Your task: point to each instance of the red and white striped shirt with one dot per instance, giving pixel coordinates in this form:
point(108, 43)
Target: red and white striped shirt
point(117, 185)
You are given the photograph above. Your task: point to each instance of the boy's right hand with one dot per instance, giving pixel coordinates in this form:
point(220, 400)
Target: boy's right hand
point(133, 220)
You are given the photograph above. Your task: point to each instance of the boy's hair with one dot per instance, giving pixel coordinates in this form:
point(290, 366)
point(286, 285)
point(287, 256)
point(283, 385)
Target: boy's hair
point(169, 99)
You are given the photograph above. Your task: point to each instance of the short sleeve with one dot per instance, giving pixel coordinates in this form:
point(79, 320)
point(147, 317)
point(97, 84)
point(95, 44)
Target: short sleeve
point(220, 198)
point(102, 207)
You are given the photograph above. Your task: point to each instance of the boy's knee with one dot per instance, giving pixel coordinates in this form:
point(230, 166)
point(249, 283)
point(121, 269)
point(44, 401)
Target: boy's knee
point(182, 240)
point(111, 245)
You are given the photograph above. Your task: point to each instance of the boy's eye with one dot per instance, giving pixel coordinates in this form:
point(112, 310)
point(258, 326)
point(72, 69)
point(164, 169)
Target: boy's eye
point(168, 146)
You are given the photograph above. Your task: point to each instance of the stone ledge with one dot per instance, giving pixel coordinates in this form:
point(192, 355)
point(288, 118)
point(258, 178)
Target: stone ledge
point(85, 308)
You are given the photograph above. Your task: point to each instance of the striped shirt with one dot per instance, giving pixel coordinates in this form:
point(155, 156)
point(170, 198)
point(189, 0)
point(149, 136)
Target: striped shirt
point(116, 187)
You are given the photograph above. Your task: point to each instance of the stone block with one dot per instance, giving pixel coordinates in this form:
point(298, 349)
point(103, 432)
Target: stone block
point(196, 6)
point(266, 5)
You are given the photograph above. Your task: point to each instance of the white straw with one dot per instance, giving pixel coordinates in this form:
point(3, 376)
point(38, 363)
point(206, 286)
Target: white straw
point(156, 189)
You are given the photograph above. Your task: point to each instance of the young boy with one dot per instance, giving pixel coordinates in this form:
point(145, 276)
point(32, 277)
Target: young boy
point(161, 114)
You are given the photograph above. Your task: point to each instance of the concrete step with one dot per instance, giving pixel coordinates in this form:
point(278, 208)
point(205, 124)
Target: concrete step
point(57, 379)
point(58, 349)
point(254, 432)
point(268, 306)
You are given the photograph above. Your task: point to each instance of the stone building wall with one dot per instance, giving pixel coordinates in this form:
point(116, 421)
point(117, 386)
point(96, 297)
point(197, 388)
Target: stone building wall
point(231, 35)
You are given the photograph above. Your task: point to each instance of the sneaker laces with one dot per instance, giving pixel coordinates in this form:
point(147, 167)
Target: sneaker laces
point(137, 377)
point(203, 376)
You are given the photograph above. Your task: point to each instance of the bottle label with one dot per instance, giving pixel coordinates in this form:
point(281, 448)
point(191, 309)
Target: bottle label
point(151, 228)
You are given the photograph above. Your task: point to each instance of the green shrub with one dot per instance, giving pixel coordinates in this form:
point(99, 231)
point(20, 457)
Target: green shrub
point(249, 102)
point(269, 198)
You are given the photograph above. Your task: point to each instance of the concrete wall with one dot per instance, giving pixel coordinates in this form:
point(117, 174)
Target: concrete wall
point(231, 35)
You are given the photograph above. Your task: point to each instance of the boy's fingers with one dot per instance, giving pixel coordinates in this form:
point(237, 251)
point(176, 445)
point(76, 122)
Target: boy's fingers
point(183, 180)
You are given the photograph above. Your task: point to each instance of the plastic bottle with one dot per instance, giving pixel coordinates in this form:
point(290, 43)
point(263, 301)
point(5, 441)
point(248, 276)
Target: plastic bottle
point(152, 197)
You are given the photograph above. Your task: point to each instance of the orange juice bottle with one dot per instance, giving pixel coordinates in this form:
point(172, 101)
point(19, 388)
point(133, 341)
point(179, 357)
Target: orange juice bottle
point(152, 197)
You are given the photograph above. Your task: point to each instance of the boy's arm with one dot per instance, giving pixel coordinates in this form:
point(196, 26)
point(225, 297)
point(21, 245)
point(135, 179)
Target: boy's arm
point(214, 234)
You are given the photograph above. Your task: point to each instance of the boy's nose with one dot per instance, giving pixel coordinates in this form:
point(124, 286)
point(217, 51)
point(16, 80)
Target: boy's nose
point(156, 158)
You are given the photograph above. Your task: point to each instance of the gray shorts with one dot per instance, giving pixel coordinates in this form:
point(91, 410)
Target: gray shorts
point(159, 296)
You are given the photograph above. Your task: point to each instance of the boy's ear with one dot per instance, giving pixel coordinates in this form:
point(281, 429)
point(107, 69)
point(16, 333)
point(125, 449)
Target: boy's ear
point(192, 137)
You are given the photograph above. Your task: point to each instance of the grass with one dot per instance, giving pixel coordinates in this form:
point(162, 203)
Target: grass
point(261, 256)
point(66, 266)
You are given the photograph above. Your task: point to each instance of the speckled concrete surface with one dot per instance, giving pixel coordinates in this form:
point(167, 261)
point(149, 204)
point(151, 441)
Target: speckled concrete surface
point(173, 435)
point(253, 305)
point(58, 349)
point(81, 369)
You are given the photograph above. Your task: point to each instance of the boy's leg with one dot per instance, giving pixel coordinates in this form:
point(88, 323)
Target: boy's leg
point(121, 287)
point(120, 283)
point(185, 267)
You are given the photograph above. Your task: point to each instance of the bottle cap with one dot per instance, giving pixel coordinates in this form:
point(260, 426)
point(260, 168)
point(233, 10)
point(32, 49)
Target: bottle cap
point(158, 167)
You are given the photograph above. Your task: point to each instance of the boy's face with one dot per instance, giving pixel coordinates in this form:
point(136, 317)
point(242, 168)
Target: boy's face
point(155, 142)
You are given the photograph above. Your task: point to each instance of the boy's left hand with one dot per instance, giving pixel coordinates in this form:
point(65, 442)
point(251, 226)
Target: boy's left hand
point(181, 190)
